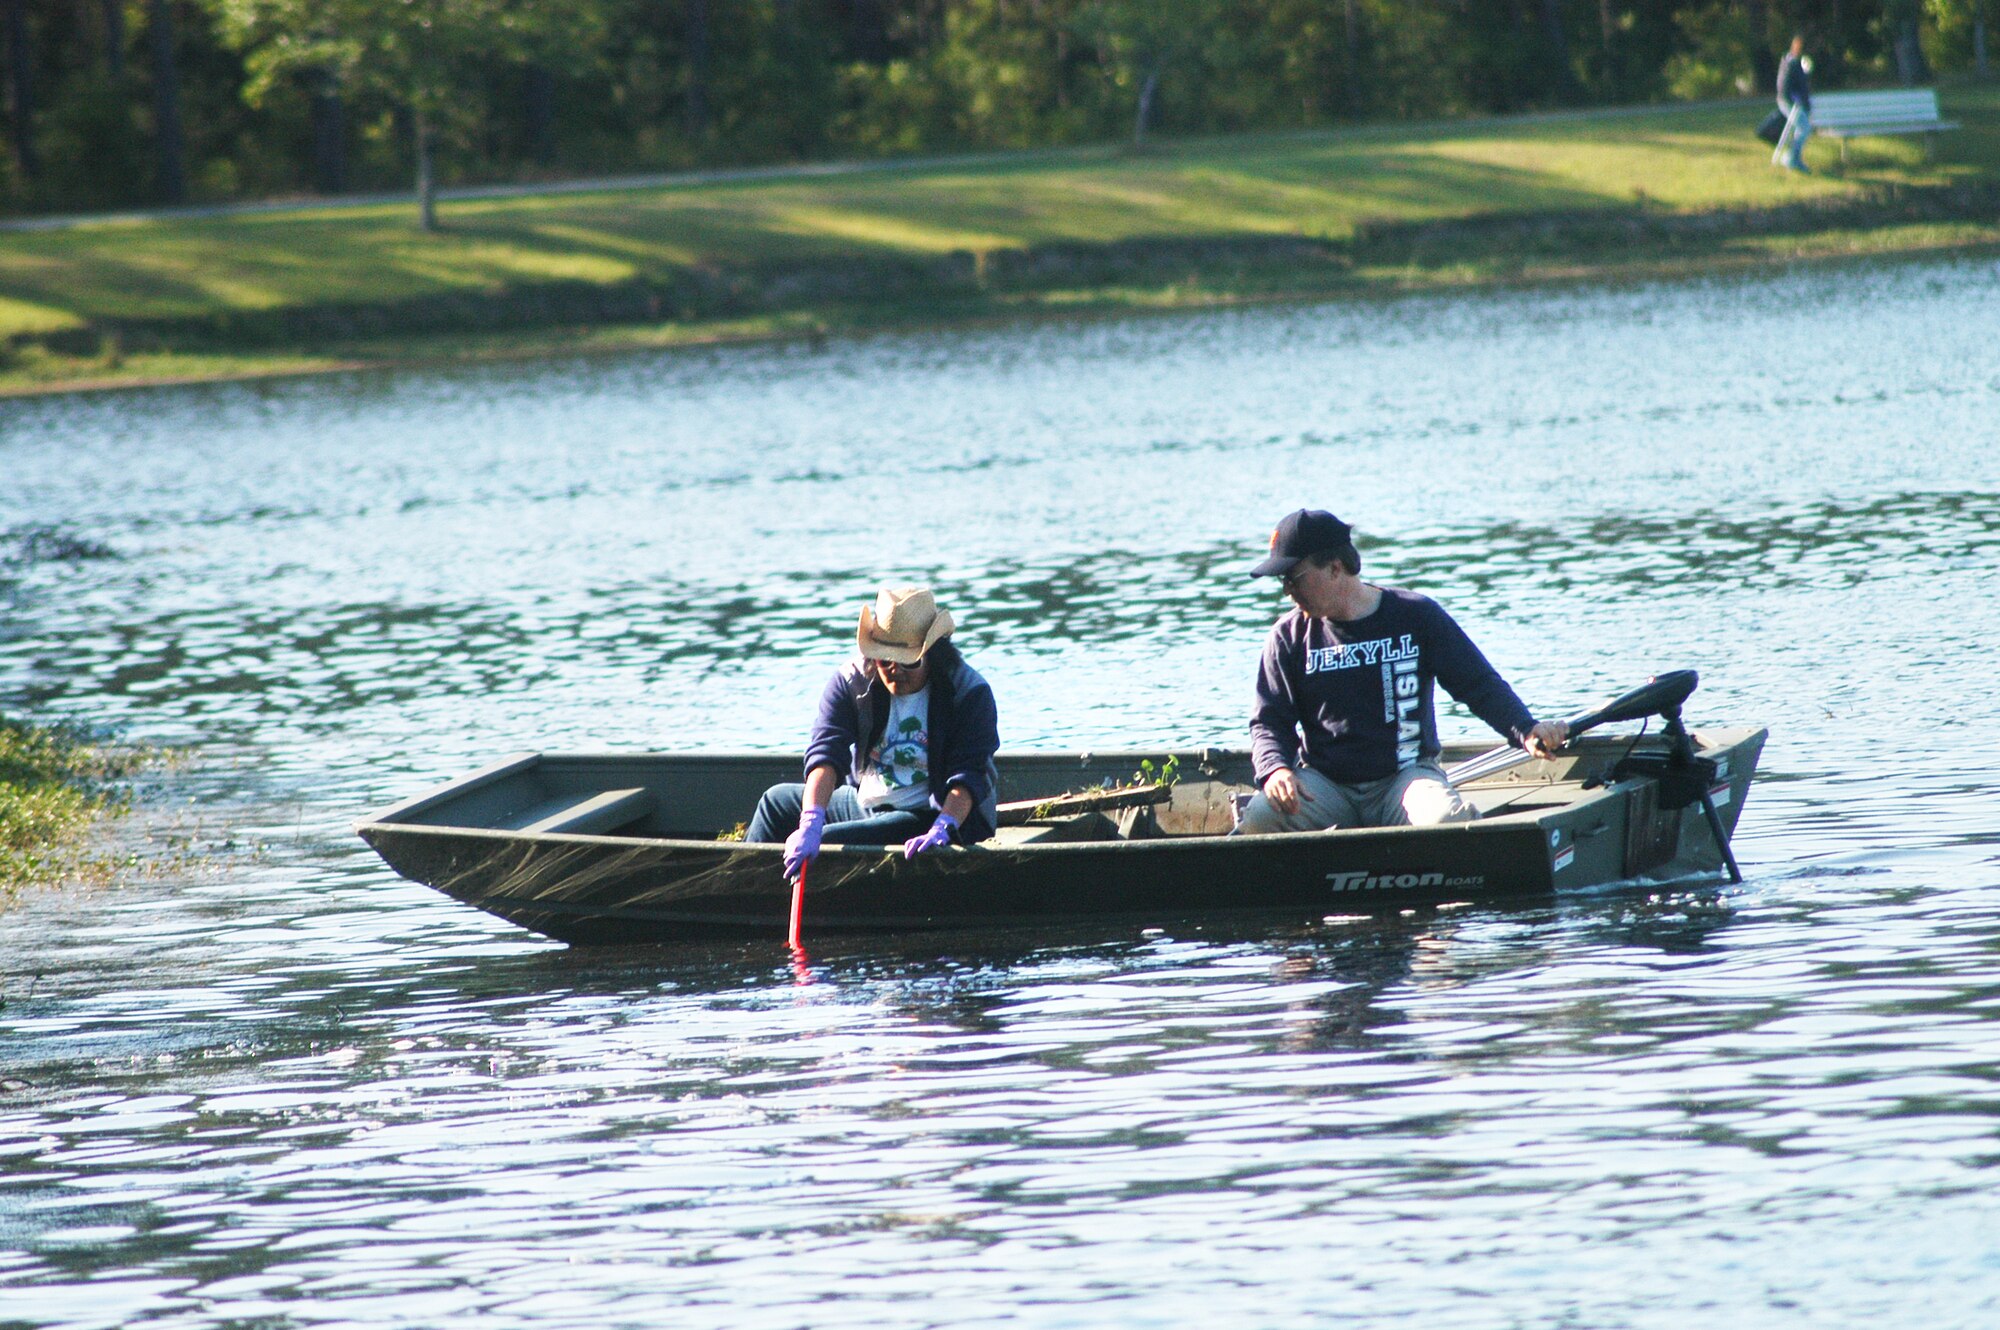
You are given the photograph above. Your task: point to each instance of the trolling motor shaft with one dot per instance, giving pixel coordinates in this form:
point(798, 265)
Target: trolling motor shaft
point(1680, 750)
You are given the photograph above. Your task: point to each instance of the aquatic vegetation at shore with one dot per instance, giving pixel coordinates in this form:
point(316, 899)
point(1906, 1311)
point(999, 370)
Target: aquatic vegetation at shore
point(55, 784)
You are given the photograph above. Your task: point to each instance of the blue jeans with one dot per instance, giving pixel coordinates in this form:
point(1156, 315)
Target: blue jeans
point(847, 822)
point(1792, 143)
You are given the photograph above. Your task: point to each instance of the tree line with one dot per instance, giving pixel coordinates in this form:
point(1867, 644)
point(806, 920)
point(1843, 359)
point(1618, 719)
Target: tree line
point(112, 103)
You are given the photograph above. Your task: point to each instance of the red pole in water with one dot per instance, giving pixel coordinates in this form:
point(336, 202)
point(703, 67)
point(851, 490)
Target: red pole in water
point(798, 904)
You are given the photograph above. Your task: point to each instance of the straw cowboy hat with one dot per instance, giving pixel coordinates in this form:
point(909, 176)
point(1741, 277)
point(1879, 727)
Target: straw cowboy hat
point(902, 624)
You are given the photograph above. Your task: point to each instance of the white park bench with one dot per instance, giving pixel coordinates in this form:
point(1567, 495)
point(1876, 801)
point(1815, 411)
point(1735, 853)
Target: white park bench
point(1848, 115)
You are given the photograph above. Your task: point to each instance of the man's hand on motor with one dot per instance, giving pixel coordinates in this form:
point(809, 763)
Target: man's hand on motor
point(936, 838)
point(802, 846)
point(1546, 738)
point(1283, 790)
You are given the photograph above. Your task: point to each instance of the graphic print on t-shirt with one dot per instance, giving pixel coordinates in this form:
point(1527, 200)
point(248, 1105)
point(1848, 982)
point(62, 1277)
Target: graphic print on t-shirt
point(1348, 655)
point(1399, 659)
point(896, 772)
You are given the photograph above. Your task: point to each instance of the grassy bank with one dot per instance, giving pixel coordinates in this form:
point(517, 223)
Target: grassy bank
point(52, 792)
point(1607, 194)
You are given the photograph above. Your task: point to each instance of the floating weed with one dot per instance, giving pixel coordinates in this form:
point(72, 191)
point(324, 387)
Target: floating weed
point(55, 785)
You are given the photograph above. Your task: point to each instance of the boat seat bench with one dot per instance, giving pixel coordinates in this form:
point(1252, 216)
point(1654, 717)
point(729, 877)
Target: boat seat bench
point(1089, 826)
point(582, 815)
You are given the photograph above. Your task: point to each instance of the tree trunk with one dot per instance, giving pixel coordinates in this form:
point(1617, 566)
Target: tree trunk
point(329, 137)
point(868, 32)
point(420, 126)
point(539, 95)
point(1062, 68)
point(114, 39)
point(1351, 22)
point(1558, 44)
point(1979, 44)
point(1763, 63)
point(1607, 24)
point(697, 69)
point(167, 101)
point(1144, 118)
point(21, 89)
point(1911, 68)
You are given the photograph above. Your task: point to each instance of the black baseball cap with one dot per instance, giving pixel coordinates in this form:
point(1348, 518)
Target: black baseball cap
point(1301, 535)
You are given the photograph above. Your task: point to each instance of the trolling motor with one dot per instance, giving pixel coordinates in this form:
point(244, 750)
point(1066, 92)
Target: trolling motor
point(1682, 777)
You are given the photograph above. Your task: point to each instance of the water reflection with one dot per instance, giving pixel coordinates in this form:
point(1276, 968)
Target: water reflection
point(699, 1124)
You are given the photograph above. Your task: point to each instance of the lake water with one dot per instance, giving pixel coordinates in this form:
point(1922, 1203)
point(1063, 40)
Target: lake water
point(279, 1086)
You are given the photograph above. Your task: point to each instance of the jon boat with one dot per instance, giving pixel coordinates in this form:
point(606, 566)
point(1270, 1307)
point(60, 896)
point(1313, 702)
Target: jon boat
point(624, 848)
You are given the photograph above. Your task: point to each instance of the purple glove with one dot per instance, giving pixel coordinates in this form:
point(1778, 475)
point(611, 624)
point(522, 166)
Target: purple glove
point(803, 845)
point(936, 838)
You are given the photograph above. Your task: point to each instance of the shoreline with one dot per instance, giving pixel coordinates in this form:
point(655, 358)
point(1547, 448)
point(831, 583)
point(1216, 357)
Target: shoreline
point(1463, 256)
point(819, 250)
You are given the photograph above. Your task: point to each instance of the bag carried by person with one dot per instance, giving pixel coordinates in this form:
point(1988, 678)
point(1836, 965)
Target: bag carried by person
point(1772, 128)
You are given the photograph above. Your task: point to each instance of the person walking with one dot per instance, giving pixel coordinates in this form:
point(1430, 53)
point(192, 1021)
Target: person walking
point(1795, 100)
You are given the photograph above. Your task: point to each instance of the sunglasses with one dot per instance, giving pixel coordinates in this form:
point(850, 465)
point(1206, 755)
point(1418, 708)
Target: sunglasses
point(898, 667)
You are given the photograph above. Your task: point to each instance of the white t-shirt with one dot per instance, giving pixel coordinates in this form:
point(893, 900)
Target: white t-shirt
point(896, 773)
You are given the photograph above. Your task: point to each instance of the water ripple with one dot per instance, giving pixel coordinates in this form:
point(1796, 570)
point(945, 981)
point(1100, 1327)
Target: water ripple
point(304, 1091)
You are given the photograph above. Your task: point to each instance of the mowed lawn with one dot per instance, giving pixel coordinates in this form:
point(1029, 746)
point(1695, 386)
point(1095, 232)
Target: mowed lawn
point(1323, 184)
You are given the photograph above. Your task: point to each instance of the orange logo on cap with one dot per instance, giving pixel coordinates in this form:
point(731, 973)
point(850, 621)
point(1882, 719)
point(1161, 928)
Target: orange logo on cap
point(1274, 538)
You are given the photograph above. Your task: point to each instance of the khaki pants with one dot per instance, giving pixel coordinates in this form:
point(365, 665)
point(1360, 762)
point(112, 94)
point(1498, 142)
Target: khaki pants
point(1415, 796)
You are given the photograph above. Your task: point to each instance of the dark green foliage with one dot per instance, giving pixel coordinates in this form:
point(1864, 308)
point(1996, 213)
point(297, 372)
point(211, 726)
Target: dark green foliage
point(94, 143)
point(663, 84)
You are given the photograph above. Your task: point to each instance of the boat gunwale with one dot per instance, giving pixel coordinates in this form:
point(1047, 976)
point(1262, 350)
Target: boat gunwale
point(383, 820)
point(1499, 823)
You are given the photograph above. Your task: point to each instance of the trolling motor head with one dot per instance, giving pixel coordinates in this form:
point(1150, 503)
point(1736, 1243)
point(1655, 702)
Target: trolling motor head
point(1683, 778)
point(1660, 696)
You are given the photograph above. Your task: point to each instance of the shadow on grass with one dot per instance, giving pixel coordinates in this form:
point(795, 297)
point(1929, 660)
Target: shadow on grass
point(1287, 215)
point(214, 268)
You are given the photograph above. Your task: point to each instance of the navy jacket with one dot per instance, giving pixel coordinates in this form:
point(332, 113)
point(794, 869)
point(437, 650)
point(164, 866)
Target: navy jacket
point(964, 733)
point(1793, 85)
point(1361, 691)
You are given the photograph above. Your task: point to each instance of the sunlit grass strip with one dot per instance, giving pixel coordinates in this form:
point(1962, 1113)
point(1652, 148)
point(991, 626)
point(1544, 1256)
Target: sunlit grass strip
point(1666, 191)
point(1315, 185)
point(52, 792)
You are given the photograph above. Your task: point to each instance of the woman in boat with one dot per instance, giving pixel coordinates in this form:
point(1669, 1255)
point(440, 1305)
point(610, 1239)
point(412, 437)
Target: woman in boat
point(902, 748)
point(1352, 668)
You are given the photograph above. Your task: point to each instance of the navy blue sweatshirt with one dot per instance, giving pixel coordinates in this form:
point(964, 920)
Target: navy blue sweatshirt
point(964, 733)
point(1361, 690)
point(1793, 85)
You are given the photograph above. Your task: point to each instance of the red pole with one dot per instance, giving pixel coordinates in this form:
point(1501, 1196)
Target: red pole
point(798, 904)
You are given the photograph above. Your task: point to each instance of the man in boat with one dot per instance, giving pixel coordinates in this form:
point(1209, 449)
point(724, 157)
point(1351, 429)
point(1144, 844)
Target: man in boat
point(902, 749)
point(1352, 668)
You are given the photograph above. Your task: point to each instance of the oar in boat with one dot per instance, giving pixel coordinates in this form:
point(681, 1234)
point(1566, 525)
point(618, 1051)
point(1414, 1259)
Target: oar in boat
point(1661, 696)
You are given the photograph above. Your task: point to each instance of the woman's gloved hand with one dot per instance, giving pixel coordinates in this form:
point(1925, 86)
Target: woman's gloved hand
point(936, 838)
point(802, 846)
